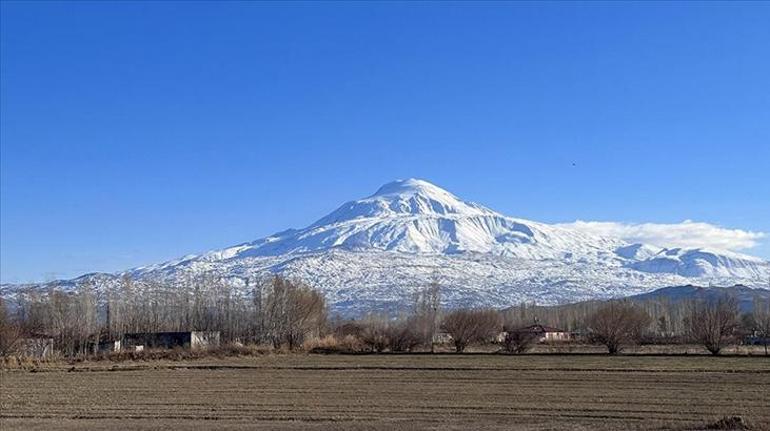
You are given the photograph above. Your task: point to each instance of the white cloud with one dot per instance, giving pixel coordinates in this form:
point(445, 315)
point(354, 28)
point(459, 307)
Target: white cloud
point(688, 234)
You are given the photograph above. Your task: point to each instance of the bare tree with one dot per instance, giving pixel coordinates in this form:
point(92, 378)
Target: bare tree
point(259, 318)
point(10, 331)
point(401, 337)
point(518, 340)
point(762, 321)
point(425, 319)
point(293, 311)
point(375, 333)
point(471, 326)
point(617, 323)
point(97, 310)
point(712, 322)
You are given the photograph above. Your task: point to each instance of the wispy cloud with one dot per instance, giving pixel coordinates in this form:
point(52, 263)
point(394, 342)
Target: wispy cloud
point(685, 234)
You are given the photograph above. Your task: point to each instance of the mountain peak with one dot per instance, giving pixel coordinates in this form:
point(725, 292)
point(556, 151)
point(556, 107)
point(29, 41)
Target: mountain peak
point(414, 196)
point(405, 198)
point(411, 186)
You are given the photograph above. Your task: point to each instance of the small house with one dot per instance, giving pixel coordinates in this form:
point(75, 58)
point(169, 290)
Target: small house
point(542, 333)
point(442, 337)
point(169, 340)
point(756, 338)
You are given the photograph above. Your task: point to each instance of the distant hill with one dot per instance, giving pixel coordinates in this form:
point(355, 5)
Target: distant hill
point(675, 294)
point(668, 303)
point(746, 295)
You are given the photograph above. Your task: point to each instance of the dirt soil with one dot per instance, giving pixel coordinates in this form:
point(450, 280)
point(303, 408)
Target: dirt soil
point(405, 392)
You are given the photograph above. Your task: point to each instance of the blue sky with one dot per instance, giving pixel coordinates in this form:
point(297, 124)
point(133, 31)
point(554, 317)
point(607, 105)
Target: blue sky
point(136, 132)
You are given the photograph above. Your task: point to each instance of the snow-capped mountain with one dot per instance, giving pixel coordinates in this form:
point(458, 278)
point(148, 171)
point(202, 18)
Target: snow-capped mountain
point(416, 217)
point(376, 251)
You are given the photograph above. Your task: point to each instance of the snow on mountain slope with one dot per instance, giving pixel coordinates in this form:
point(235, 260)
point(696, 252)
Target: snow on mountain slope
point(703, 263)
point(416, 217)
point(374, 252)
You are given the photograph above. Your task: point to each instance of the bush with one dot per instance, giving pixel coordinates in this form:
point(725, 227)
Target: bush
point(334, 344)
point(13, 362)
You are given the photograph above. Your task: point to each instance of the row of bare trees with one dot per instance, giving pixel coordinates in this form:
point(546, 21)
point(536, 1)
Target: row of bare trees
point(274, 310)
point(285, 313)
point(464, 326)
point(615, 324)
point(711, 323)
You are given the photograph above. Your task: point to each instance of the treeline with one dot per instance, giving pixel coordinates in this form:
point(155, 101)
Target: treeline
point(712, 322)
point(667, 317)
point(275, 311)
point(289, 314)
point(615, 324)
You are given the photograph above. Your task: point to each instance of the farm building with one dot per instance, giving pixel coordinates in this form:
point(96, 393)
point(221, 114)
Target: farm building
point(756, 339)
point(442, 337)
point(109, 346)
point(169, 340)
point(543, 333)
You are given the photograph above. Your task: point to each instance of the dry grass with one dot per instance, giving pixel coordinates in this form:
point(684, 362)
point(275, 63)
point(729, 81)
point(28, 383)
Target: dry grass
point(332, 344)
point(391, 391)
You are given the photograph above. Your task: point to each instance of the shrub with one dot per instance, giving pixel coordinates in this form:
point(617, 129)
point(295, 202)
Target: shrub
point(334, 344)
